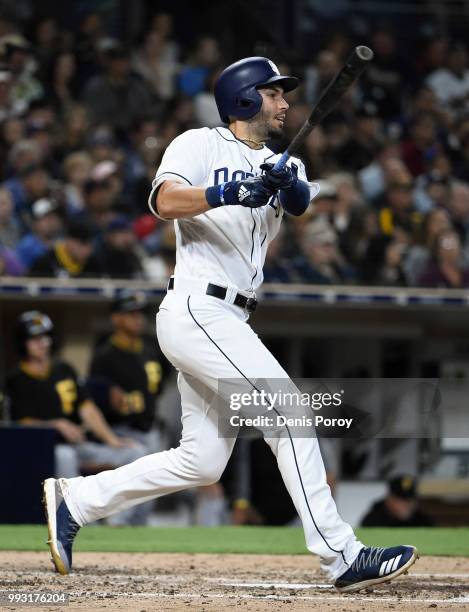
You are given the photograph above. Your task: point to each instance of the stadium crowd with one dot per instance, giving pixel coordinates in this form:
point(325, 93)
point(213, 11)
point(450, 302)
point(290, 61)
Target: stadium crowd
point(84, 121)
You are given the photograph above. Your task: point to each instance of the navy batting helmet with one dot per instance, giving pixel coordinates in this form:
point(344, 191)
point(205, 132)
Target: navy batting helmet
point(30, 325)
point(236, 88)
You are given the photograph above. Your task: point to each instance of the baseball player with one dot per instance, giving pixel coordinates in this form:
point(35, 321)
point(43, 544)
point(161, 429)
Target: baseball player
point(227, 203)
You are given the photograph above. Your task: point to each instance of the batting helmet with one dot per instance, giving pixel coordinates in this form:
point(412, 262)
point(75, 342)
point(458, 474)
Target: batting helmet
point(236, 88)
point(30, 325)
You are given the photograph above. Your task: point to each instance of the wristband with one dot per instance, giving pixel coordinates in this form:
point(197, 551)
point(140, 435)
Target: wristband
point(214, 195)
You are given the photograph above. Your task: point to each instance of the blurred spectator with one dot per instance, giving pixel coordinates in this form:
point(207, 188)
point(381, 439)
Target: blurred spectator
point(7, 109)
point(383, 80)
point(15, 52)
point(421, 146)
point(157, 59)
point(23, 153)
point(397, 208)
point(319, 75)
point(97, 212)
point(32, 183)
point(77, 169)
point(47, 42)
point(458, 144)
point(205, 56)
point(399, 508)
point(347, 212)
point(117, 254)
point(143, 136)
point(46, 226)
point(71, 257)
point(74, 135)
point(102, 144)
point(451, 83)
point(432, 189)
point(447, 268)
point(323, 263)
point(433, 55)
point(392, 273)
point(61, 402)
point(436, 222)
point(373, 177)
point(205, 108)
point(13, 130)
point(9, 227)
point(458, 208)
point(62, 83)
point(364, 143)
point(117, 96)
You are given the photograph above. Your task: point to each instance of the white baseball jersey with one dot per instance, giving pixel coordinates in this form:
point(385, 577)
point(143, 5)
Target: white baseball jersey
point(226, 245)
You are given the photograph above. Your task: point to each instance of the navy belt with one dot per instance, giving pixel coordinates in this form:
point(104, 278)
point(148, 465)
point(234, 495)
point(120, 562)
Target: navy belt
point(250, 304)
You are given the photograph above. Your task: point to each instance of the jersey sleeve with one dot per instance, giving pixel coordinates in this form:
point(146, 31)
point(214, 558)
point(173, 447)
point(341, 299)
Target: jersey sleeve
point(184, 161)
point(313, 187)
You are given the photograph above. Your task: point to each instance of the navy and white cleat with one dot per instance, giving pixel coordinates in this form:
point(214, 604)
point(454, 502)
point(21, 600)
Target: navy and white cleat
point(61, 525)
point(375, 565)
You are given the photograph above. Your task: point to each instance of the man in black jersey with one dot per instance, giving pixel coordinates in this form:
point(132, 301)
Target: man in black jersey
point(46, 392)
point(126, 374)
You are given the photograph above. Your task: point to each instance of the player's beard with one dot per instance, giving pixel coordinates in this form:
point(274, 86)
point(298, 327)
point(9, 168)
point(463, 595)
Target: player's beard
point(263, 126)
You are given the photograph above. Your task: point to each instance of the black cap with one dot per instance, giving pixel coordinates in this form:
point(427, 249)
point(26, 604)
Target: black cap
point(404, 486)
point(80, 230)
point(129, 302)
point(32, 324)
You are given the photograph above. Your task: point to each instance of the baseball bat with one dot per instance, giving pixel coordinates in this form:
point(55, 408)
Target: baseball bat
point(347, 75)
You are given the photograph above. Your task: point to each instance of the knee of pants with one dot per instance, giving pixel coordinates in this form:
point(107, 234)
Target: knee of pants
point(202, 469)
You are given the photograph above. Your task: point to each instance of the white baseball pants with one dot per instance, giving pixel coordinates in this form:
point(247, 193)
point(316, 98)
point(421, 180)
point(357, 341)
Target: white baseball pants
point(209, 340)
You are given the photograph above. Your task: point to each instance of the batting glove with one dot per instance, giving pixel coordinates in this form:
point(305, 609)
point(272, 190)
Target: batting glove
point(283, 179)
point(252, 193)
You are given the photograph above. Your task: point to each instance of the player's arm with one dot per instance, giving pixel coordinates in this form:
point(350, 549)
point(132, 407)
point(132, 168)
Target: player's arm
point(187, 159)
point(175, 200)
point(294, 192)
point(94, 421)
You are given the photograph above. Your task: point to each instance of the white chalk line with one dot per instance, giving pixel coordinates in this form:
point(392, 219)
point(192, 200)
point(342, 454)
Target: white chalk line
point(172, 577)
point(318, 585)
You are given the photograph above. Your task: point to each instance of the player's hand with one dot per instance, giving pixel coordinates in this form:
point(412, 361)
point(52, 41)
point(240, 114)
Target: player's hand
point(252, 193)
point(284, 179)
point(72, 433)
point(123, 443)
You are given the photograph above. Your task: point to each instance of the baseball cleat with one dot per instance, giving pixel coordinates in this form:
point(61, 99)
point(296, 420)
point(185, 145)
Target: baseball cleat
point(61, 525)
point(375, 565)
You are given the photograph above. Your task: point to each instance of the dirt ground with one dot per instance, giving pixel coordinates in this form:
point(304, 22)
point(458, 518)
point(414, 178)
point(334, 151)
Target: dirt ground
point(146, 582)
